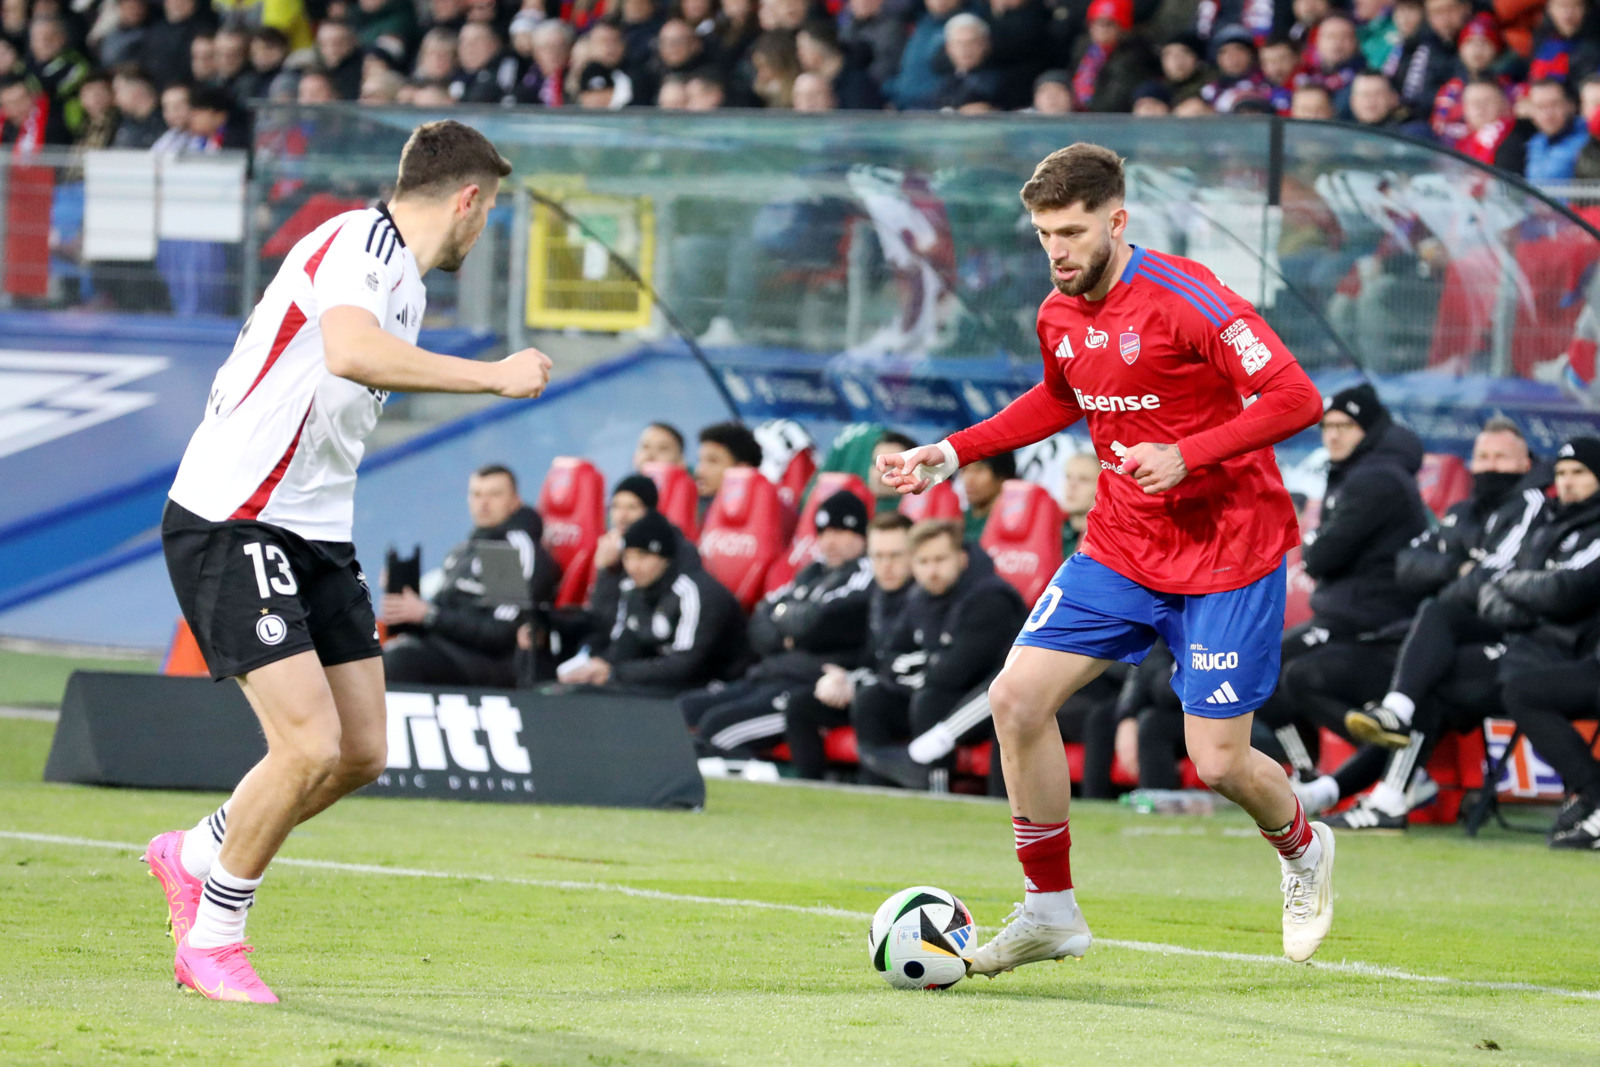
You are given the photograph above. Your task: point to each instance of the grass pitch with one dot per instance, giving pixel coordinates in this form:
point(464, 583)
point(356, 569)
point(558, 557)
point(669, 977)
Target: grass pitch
point(482, 934)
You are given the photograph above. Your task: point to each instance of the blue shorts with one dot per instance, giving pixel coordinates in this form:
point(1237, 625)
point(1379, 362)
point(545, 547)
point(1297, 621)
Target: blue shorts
point(1226, 644)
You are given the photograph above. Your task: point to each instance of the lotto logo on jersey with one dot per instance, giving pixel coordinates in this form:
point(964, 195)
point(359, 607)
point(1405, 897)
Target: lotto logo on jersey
point(1097, 338)
point(441, 733)
point(1252, 352)
point(1090, 402)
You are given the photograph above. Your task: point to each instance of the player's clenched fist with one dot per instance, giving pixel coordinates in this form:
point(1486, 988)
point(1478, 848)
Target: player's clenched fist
point(1156, 468)
point(915, 470)
point(522, 374)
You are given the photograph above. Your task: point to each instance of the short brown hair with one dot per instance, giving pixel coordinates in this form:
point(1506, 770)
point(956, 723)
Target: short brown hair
point(890, 520)
point(441, 157)
point(928, 529)
point(1080, 173)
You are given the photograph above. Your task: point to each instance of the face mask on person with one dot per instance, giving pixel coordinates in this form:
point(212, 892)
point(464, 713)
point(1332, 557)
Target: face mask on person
point(1491, 486)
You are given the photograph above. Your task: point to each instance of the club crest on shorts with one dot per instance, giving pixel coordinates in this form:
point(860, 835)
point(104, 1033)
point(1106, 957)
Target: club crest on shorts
point(271, 629)
point(1130, 348)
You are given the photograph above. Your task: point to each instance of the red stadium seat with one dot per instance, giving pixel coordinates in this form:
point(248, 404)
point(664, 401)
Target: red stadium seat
point(680, 497)
point(938, 502)
point(1023, 537)
point(573, 504)
point(743, 533)
point(805, 536)
point(796, 476)
point(1443, 480)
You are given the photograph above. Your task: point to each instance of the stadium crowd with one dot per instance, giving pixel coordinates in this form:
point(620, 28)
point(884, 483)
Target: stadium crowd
point(893, 615)
point(1514, 83)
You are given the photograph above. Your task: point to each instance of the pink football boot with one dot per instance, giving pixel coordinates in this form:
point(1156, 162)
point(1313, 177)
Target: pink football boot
point(181, 887)
point(221, 973)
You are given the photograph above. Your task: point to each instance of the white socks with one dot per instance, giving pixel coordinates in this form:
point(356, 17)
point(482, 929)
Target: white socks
point(1053, 909)
point(1387, 799)
point(1403, 706)
point(223, 906)
point(936, 744)
point(1320, 794)
point(200, 844)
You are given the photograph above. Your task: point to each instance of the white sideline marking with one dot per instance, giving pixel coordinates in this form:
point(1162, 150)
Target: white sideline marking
point(1368, 970)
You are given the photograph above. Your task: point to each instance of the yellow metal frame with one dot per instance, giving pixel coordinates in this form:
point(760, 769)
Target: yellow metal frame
point(547, 236)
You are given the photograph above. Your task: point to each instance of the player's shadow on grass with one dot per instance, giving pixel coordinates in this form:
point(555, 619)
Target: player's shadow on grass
point(519, 1043)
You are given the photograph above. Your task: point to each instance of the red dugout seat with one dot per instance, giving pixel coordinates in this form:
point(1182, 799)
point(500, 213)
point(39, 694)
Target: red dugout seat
point(797, 475)
point(1443, 480)
point(680, 497)
point(1023, 537)
point(573, 504)
point(937, 502)
point(743, 533)
point(805, 535)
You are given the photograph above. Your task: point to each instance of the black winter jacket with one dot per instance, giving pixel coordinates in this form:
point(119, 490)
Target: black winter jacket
point(1371, 511)
point(459, 613)
point(819, 617)
point(607, 594)
point(957, 640)
point(1551, 596)
point(1486, 531)
point(683, 632)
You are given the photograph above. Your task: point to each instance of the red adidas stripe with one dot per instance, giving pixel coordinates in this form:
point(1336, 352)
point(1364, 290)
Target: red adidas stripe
point(316, 257)
point(251, 508)
point(293, 319)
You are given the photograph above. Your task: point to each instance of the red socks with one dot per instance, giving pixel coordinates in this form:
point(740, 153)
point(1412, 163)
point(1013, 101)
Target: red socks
point(1293, 840)
point(1043, 847)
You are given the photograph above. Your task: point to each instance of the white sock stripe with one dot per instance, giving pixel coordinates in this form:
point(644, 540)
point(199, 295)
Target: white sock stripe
point(1026, 838)
point(968, 715)
point(1398, 774)
point(1294, 747)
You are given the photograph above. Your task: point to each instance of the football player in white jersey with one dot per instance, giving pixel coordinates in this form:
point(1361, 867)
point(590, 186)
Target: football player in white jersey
point(257, 526)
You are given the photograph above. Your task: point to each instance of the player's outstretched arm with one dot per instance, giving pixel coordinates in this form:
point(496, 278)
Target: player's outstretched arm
point(356, 347)
point(919, 468)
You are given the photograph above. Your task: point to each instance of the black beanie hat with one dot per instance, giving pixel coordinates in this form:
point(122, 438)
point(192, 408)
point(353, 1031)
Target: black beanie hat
point(653, 533)
point(642, 487)
point(1585, 450)
point(1361, 403)
point(842, 511)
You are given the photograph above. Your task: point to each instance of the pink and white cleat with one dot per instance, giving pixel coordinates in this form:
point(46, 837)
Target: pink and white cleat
point(221, 973)
point(182, 888)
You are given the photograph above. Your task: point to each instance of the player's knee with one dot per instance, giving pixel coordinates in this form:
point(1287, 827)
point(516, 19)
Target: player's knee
point(359, 765)
point(311, 757)
point(1221, 768)
point(1016, 712)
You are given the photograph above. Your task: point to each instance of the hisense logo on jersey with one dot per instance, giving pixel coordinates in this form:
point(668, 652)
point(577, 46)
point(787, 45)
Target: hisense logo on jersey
point(47, 395)
point(1090, 402)
point(447, 739)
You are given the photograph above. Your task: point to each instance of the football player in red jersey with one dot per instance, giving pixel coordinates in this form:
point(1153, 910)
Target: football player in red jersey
point(1186, 540)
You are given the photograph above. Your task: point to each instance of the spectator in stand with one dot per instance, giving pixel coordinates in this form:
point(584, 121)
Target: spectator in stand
point(875, 36)
point(1282, 65)
point(1194, 107)
point(214, 122)
point(1376, 30)
point(1434, 61)
point(602, 88)
point(339, 57)
point(125, 41)
point(739, 30)
point(269, 49)
point(1182, 71)
point(641, 24)
point(659, 442)
point(1558, 135)
point(813, 93)
point(827, 706)
point(849, 83)
point(100, 117)
point(982, 480)
point(287, 17)
point(676, 630)
point(436, 56)
point(818, 618)
point(203, 60)
point(165, 51)
point(487, 73)
point(1493, 135)
point(142, 124)
point(1018, 39)
point(1479, 47)
point(315, 87)
point(1373, 102)
point(678, 51)
point(447, 15)
point(1052, 93)
point(1308, 16)
point(973, 79)
point(1312, 102)
point(467, 634)
point(1233, 51)
point(1561, 50)
point(29, 122)
point(375, 20)
point(1113, 61)
point(56, 68)
point(961, 621)
point(674, 93)
point(705, 91)
point(776, 63)
point(1410, 24)
point(915, 86)
point(233, 65)
point(382, 87)
point(1258, 18)
point(1336, 58)
point(606, 46)
point(1080, 480)
point(432, 95)
point(1151, 100)
point(701, 15)
point(723, 445)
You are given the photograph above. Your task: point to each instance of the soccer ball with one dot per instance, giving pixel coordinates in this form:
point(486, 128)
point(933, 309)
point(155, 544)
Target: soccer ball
point(917, 938)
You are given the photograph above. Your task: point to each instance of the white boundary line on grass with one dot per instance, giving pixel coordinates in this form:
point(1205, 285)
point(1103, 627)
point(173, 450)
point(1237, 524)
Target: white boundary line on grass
point(1368, 970)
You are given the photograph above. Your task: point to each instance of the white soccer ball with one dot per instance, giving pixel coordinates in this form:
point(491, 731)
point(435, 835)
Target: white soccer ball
point(918, 936)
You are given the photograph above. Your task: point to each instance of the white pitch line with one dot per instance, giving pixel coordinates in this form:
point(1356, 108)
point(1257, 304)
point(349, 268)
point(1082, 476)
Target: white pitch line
point(1366, 970)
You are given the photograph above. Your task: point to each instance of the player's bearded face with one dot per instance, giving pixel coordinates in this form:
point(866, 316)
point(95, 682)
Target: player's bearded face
point(1089, 269)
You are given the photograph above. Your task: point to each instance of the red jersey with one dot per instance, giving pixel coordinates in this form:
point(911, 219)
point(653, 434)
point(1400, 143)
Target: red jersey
point(1166, 357)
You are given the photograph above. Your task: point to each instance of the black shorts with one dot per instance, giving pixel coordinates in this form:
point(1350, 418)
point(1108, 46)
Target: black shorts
point(254, 593)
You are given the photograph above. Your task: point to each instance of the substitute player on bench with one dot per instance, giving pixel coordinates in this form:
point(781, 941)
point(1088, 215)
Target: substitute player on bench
point(1186, 539)
point(257, 528)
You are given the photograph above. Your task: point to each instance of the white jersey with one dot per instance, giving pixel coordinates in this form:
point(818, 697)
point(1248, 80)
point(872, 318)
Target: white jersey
point(282, 436)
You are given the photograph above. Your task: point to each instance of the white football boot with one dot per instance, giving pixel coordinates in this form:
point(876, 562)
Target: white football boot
point(1308, 901)
point(1025, 941)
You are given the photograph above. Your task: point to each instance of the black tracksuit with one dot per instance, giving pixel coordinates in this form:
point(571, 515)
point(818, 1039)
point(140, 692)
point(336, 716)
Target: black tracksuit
point(820, 617)
point(465, 640)
point(682, 632)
